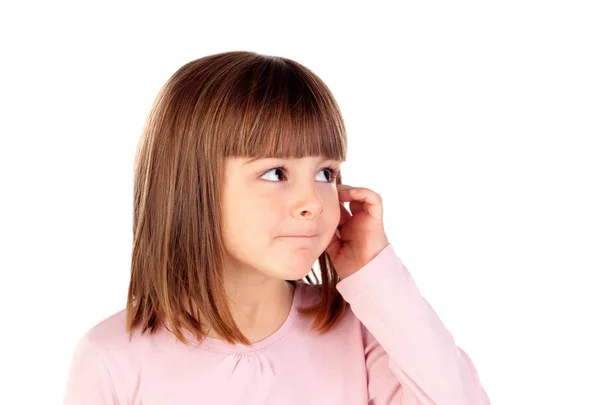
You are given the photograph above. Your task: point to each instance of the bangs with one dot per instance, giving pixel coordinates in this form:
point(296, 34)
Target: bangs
point(280, 109)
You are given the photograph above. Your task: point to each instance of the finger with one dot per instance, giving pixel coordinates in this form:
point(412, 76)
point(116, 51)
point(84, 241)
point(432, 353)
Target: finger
point(370, 200)
point(343, 187)
point(356, 207)
point(344, 213)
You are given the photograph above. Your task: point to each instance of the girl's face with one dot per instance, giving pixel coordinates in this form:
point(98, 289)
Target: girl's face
point(279, 215)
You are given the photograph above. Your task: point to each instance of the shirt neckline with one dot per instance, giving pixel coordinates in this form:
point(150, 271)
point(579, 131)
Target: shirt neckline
point(221, 345)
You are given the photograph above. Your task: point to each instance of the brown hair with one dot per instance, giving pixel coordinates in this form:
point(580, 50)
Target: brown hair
point(240, 104)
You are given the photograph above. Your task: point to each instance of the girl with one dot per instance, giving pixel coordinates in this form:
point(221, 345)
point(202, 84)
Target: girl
point(237, 194)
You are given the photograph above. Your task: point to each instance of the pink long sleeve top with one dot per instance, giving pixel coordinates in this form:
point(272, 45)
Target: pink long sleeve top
point(390, 347)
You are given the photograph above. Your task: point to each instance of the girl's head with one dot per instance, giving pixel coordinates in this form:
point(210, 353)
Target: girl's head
point(239, 151)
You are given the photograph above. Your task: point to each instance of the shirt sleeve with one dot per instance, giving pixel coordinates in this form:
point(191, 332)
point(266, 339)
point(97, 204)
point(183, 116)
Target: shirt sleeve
point(89, 381)
point(411, 357)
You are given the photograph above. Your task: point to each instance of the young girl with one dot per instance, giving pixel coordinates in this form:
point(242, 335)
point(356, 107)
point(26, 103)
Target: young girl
point(238, 193)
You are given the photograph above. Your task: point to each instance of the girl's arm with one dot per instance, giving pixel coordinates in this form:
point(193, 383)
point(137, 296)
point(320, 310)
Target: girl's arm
point(411, 357)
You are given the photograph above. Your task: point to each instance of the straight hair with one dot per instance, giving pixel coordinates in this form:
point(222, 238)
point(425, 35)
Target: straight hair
point(230, 104)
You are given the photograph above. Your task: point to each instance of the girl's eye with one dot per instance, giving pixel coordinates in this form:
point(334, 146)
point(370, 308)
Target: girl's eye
point(274, 170)
point(333, 173)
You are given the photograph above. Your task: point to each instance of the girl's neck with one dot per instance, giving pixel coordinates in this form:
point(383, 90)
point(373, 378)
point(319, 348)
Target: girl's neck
point(260, 321)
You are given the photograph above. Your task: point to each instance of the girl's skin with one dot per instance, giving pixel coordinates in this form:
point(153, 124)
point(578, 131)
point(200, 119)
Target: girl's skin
point(265, 202)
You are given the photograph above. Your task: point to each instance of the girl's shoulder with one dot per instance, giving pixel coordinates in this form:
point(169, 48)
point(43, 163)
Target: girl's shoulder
point(109, 336)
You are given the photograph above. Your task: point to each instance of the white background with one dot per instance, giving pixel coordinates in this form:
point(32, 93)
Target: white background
point(477, 122)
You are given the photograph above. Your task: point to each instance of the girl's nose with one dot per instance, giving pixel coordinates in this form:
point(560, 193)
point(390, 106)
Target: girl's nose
point(309, 205)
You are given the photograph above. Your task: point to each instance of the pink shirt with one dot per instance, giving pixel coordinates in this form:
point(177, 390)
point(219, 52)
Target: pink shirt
point(390, 347)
